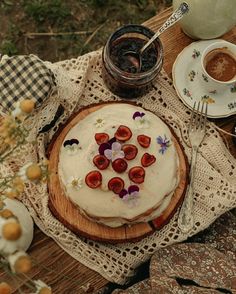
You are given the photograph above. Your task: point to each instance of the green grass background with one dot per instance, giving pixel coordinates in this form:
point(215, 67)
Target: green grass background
point(85, 25)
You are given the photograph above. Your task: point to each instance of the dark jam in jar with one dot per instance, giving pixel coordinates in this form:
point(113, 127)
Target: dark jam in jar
point(127, 62)
point(121, 71)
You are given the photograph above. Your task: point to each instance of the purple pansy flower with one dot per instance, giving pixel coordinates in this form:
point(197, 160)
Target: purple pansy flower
point(130, 196)
point(71, 146)
point(105, 146)
point(115, 152)
point(140, 120)
point(138, 114)
point(164, 143)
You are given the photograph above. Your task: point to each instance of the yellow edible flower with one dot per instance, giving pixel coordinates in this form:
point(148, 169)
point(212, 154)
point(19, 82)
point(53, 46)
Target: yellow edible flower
point(11, 231)
point(6, 213)
point(18, 184)
point(27, 105)
point(45, 291)
point(5, 288)
point(34, 172)
point(23, 265)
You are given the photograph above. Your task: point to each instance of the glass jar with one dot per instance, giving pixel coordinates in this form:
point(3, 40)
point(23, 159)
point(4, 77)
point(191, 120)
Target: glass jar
point(120, 70)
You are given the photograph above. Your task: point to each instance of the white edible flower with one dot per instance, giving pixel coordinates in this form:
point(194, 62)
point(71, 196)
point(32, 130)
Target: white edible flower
point(17, 111)
point(75, 183)
point(13, 259)
point(22, 172)
point(100, 122)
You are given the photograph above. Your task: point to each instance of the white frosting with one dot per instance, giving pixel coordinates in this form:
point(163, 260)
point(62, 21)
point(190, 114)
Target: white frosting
point(161, 178)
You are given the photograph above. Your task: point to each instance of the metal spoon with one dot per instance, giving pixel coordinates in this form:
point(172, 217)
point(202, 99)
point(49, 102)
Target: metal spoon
point(136, 57)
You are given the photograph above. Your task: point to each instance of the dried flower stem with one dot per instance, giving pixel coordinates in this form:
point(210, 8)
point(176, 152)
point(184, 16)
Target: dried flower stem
point(16, 277)
point(66, 277)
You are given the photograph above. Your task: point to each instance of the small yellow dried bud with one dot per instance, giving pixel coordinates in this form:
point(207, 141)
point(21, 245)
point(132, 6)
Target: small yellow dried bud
point(45, 290)
point(6, 213)
point(23, 265)
point(12, 194)
point(11, 231)
point(34, 172)
point(27, 105)
point(5, 288)
point(18, 184)
point(9, 141)
point(1, 204)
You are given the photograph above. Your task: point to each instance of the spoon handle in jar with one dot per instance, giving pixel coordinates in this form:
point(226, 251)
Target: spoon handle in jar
point(175, 16)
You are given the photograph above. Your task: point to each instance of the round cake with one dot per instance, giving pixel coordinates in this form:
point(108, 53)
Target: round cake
point(119, 165)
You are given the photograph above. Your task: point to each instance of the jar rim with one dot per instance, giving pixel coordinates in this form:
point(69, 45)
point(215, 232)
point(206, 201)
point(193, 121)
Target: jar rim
point(134, 28)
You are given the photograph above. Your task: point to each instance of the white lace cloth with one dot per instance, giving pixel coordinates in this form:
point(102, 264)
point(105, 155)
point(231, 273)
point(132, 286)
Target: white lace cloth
point(80, 84)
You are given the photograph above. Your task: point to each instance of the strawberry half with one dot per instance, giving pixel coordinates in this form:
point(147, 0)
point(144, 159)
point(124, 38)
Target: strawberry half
point(144, 141)
point(147, 159)
point(137, 174)
point(93, 179)
point(123, 133)
point(116, 185)
point(101, 138)
point(119, 165)
point(101, 161)
point(130, 151)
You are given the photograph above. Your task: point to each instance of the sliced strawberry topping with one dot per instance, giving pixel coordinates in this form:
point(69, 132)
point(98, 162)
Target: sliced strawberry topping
point(93, 179)
point(147, 159)
point(116, 185)
point(101, 161)
point(137, 174)
point(101, 138)
point(119, 165)
point(130, 151)
point(123, 133)
point(144, 140)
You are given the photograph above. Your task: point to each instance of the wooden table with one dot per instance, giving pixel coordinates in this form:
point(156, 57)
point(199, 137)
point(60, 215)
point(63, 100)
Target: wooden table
point(58, 269)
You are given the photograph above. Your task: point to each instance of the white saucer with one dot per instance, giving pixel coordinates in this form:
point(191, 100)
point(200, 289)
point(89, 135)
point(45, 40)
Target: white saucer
point(192, 86)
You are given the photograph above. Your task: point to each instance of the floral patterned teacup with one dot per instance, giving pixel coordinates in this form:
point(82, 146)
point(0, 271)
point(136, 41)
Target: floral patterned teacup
point(218, 64)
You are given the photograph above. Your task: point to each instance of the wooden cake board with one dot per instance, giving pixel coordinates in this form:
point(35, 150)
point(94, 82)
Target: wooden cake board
point(68, 214)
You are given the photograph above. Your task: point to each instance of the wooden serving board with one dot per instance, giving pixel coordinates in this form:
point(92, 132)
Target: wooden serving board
point(65, 211)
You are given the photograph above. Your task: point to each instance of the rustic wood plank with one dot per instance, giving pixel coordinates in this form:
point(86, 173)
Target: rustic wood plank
point(57, 268)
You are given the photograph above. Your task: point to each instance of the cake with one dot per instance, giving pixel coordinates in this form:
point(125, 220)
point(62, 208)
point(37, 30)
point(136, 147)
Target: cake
point(119, 165)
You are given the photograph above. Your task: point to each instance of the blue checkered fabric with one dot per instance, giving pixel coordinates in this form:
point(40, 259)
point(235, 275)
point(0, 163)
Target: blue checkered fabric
point(24, 77)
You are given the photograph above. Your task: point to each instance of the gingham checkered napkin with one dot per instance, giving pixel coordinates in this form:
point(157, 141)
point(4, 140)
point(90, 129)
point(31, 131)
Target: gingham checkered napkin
point(23, 77)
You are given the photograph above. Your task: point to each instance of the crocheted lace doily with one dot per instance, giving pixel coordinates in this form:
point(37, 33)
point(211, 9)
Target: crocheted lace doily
point(79, 84)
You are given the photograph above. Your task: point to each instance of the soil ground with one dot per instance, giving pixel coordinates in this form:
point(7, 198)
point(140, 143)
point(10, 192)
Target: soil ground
point(56, 29)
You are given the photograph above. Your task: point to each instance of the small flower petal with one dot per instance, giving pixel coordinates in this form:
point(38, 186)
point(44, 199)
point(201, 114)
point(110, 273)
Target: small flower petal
point(116, 146)
point(133, 188)
point(116, 155)
point(122, 193)
point(136, 114)
point(111, 141)
point(108, 153)
point(103, 147)
point(19, 262)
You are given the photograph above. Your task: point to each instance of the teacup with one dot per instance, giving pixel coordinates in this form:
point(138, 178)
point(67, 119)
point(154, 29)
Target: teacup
point(218, 63)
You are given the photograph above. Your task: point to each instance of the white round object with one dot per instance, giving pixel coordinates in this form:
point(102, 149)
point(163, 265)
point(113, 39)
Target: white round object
point(193, 86)
point(26, 222)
